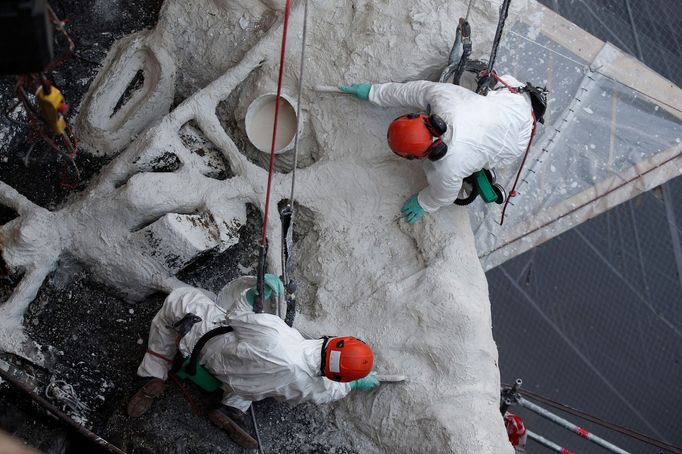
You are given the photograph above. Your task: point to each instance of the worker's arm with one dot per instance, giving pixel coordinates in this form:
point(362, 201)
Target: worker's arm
point(418, 94)
point(445, 180)
point(162, 335)
point(256, 329)
point(325, 390)
point(322, 390)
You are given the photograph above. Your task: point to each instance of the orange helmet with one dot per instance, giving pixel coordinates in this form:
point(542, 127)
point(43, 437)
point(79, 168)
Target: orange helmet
point(346, 359)
point(411, 136)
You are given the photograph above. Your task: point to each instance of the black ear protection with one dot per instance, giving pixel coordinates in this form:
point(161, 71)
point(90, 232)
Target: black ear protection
point(437, 127)
point(538, 99)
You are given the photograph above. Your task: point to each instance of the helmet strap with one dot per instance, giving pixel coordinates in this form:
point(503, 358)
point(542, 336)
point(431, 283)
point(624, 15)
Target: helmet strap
point(323, 353)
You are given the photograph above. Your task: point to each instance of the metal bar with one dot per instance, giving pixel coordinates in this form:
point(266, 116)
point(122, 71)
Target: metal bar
point(569, 426)
point(605, 424)
point(5, 374)
point(547, 443)
point(508, 396)
point(255, 428)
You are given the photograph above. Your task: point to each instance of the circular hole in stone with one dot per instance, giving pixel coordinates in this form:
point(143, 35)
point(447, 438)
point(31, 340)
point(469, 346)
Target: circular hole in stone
point(259, 122)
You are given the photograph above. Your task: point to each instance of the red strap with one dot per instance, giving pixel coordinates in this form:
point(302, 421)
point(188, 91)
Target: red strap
point(159, 355)
point(512, 193)
point(263, 240)
point(182, 389)
point(71, 145)
point(509, 87)
point(186, 394)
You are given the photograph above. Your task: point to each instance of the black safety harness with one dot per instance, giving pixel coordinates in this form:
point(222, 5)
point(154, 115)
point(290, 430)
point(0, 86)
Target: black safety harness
point(538, 98)
point(487, 79)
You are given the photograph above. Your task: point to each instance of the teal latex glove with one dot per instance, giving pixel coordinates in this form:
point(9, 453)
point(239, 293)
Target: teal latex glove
point(367, 383)
point(412, 211)
point(273, 284)
point(360, 91)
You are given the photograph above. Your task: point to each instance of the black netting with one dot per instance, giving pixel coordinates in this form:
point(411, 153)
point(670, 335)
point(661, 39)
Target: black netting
point(593, 318)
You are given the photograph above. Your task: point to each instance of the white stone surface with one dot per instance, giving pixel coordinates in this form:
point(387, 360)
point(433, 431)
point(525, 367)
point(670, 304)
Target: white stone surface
point(177, 239)
point(416, 293)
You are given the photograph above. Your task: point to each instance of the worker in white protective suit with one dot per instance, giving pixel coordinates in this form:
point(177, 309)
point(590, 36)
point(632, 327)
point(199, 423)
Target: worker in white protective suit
point(459, 131)
point(262, 356)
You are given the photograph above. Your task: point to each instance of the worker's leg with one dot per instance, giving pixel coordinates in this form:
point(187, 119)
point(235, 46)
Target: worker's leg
point(231, 399)
point(160, 351)
point(231, 418)
point(161, 347)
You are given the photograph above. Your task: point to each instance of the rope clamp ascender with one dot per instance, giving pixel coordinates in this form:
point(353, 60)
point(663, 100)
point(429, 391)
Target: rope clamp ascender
point(52, 107)
point(286, 212)
point(260, 276)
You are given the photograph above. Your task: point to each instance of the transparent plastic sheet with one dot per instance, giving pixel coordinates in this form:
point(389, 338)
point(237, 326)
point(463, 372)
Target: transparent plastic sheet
point(602, 143)
point(592, 318)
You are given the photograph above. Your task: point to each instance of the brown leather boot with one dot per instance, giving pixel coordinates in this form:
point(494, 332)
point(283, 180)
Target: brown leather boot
point(142, 400)
point(231, 421)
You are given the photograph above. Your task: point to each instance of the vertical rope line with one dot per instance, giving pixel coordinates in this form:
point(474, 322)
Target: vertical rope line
point(287, 9)
point(466, 18)
point(631, 16)
point(298, 105)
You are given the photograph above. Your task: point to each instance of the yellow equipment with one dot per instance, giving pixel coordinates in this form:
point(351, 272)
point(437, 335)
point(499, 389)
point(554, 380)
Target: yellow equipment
point(52, 105)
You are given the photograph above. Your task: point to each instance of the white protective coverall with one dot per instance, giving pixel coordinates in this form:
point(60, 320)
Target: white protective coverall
point(262, 357)
point(483, 131)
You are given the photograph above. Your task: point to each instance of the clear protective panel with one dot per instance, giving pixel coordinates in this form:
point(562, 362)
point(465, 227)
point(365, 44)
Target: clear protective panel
point(603, 142)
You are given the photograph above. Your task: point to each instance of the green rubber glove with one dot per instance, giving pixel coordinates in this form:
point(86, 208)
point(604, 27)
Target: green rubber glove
point(367, 383)
point(273, 284)
point(360, 91)
point(412, 211)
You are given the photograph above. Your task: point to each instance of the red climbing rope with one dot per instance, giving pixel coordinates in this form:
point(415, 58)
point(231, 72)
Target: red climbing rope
point(183, 390)
point(186, 394)
point(159, 355)
point(514, 90)
point(512, 193)
point(264, 240)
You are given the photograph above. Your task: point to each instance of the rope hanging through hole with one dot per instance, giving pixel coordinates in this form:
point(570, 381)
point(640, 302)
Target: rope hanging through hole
point(280, 78)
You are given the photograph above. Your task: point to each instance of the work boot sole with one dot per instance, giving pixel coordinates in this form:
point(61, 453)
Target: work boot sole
point(142, 400)
point(236, 433)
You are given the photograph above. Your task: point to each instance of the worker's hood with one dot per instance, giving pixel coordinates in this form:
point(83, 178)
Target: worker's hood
point(233, 291)
point(312, 351)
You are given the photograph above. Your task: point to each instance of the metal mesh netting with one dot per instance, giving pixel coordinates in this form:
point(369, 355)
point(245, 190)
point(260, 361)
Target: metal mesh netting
point(649, 30)
point(612, 131)
point(593, 318)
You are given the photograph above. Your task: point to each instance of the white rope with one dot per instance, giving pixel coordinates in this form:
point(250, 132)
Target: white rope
point(466, 18)
point(63, 392)
point(298, 105)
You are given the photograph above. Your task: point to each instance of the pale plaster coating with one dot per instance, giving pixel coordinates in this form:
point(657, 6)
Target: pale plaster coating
point(417, 293)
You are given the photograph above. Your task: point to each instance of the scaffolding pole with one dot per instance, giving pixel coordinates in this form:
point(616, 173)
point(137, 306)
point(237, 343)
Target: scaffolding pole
point(569, 425)
point(547, 443)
